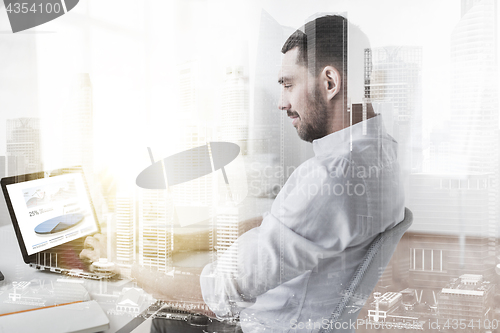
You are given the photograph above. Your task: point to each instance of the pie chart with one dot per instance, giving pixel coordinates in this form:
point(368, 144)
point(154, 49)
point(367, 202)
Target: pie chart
point(32, 13)
point(58, 224)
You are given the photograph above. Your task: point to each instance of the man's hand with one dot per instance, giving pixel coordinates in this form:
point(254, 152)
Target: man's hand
point(94, 248)
point(170, 287)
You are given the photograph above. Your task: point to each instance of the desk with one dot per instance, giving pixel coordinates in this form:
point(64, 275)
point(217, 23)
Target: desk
point(106, 293)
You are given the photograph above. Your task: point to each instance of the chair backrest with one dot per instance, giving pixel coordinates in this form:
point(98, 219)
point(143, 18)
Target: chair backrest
point(366, 277)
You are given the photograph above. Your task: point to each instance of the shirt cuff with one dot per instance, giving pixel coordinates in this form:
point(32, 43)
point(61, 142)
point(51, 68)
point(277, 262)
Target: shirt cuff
point(219, 293)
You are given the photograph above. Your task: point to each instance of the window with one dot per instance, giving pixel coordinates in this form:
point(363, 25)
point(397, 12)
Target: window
point(428, 260)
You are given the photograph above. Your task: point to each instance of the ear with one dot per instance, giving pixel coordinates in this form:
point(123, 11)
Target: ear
point(331, 81)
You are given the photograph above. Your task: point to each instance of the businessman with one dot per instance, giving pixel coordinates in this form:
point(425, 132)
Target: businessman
point(292, 268)
point(289, 272)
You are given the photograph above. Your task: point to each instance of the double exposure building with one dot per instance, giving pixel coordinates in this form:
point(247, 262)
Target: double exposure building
point(78, 126)
point(467, 299)
point(155, 230)
point(393, 85)
point(235, 106)
point(125, 230)
point(23, 145)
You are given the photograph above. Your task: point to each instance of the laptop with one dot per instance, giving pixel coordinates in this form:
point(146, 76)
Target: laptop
point(52, 213)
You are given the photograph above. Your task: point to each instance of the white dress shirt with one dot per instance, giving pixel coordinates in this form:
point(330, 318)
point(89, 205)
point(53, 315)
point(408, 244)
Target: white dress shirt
point(291, 270)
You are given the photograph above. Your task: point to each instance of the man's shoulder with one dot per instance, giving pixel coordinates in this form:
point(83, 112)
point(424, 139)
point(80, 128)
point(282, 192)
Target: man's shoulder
point(345, 159)
point(322, 170)
point(326, 162)
point(363, 161)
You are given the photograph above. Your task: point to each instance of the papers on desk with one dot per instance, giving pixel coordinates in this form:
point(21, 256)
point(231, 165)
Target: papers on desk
point(81, 317)
point(20, 296)
point(49, 306)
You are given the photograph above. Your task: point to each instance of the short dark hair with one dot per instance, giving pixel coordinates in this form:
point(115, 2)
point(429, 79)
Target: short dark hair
point(323, 42)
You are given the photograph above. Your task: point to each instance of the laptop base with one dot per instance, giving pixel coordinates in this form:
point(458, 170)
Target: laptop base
point(78, 273)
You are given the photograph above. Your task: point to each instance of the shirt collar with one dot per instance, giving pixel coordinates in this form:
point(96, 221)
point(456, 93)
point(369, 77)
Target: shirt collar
point(370, 128)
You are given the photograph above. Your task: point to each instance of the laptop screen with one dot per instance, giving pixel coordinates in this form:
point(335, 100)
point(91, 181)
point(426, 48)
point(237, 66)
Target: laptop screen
point(51, 211)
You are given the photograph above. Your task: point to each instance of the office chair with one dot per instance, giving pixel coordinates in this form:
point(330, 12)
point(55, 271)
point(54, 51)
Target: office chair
point(366, 277)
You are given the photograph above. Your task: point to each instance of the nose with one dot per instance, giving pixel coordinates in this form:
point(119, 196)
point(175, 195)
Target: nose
point(283, 103)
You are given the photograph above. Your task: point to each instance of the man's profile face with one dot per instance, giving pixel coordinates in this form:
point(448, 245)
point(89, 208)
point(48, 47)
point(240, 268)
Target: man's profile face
point(301, 99)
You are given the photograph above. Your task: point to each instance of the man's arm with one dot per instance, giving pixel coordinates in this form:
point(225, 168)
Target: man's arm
point(95, 246)
point(177, 287)
point(184, 242)
point(250, 224)
point(308, 224)
point(186, 286)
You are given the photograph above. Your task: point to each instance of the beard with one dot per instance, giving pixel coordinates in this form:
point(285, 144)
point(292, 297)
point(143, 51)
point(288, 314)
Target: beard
point(315, 124)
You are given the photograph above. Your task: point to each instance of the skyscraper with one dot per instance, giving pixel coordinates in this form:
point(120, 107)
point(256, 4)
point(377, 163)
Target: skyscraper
point(264, 121)
point(395, 84)
point(455, 213)
point(10, 165)
point(125, 230)
point(273, 141)
point(78, 144)
point(194, 200)
point(228, 231)
point(392, 76)
point(474, 99)
point(474, 130)
point(155, 230)
point(23, 140)
point(234, 117)
point(188, 91)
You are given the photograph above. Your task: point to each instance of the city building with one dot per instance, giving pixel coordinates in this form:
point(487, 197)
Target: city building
point(125, 230)
point(393, 85)
point(450, 231)
point(194, 200)
point(132, 301)
point(396, 274)
point(10, 165)
point(388, 312)
point(77, 125)
point(228, 230)
point(264, 120)
point(235, 106)
point(155, 230)
point(188, 91)
point(455, 205)
point(23, 141)
point(473, 126)
point(467, 299)
point(273, 141)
